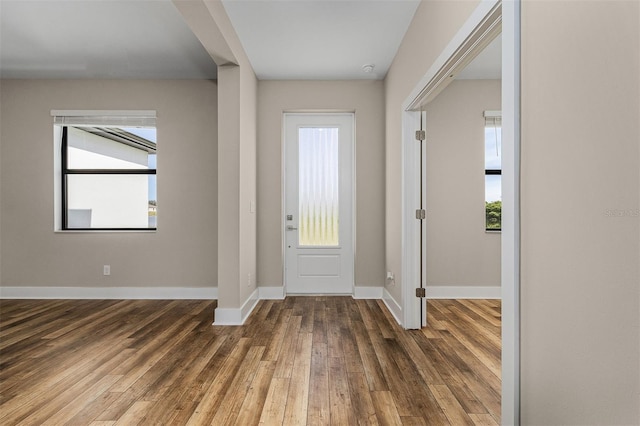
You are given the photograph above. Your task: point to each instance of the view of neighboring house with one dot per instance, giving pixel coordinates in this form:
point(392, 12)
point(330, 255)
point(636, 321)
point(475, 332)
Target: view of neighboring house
point(101, 199)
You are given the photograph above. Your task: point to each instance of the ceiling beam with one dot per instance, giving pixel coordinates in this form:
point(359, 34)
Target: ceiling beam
point(210, 25)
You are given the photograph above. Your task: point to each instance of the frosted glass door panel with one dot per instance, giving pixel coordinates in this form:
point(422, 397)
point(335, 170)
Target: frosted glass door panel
point(319, 191)
point(318, 218)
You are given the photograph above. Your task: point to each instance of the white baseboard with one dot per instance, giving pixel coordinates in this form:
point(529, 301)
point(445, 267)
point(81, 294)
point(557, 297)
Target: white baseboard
point(226, 316)
point(393, 306)
point(360, 292)
point(249, 304)
point(463, 292)
point(271, 293)
point(158, 293)
point(235, 316)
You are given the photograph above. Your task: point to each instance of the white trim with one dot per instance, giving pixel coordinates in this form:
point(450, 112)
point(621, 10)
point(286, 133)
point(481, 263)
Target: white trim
point(492, 114)
point(283, 202)
point(249, 305)
point(166, 293)
point(319, 111)
point(361, 292)
point(464, 292)
point(103, 231)
point(510, 242)
point(472, 37)
point(235, 316)
point(227, 316)
point(102, 113)
point(410, 227)
point(391, 304)
point(271, 293)
point(134, 118)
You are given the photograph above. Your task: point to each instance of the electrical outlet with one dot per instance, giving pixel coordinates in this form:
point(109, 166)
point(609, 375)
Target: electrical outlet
point(106, 270)
point(249, 280)
point(391, 279)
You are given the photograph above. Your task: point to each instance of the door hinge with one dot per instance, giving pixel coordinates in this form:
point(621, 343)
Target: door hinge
point(421, 135)
point(421, 214)
point(421, 292)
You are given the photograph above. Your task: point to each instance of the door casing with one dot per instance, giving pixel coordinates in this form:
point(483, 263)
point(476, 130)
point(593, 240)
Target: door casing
point(431, 83)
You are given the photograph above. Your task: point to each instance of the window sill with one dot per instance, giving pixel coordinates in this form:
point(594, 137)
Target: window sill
point(105, 231)
point(493, 231)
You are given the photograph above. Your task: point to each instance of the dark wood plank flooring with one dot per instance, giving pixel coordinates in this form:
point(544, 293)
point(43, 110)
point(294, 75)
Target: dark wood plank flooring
point(303, 360)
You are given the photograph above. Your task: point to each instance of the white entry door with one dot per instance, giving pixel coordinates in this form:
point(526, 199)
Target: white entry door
point(318, 222)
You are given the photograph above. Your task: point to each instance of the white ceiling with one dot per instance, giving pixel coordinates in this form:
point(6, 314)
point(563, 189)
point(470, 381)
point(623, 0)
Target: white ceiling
point(99, 39)
point(284, 39)
point(320, 39)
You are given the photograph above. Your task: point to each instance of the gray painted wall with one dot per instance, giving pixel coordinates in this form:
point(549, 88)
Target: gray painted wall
point(182, 253)
point(580, 223)
point(459, 250)
point(366, 98)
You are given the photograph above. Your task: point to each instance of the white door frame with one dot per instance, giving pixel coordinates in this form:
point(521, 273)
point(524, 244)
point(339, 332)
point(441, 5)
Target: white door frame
point(352, 197)
point(410, 226)
point(455, 56)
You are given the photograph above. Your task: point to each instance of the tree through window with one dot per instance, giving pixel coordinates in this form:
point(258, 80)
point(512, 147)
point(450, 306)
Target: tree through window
point(493, 170)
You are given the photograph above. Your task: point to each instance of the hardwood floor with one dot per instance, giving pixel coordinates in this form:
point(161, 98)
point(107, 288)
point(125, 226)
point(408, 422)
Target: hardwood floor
point(304, 360)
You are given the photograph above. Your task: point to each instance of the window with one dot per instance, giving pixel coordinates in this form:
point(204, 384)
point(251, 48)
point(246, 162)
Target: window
point(107, 172)
point(493, 170)
point(318, 183)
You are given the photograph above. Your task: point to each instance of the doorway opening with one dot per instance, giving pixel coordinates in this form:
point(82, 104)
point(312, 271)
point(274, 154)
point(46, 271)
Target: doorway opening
point(490, 18)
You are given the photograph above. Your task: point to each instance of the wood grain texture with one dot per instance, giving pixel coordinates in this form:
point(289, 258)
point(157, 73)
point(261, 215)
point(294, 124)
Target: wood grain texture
point(317, 360)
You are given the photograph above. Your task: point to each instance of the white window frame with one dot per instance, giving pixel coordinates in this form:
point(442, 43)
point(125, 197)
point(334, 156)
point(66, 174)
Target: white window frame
point(493, 118)
point(79, 118)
